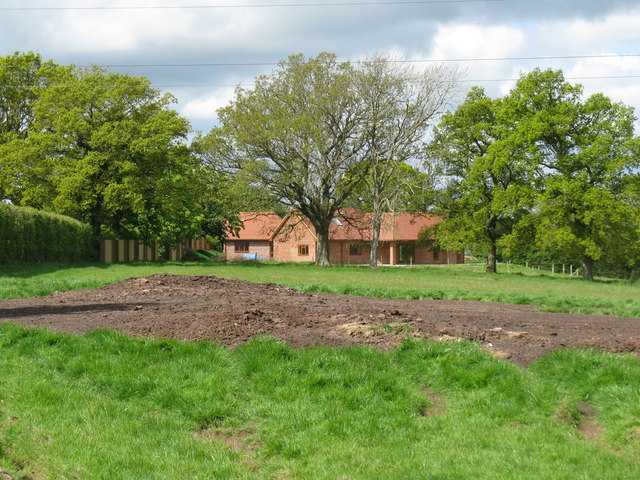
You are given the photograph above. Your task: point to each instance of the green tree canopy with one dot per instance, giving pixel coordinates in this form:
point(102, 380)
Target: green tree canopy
point(21, 75)
point(299, 134)
point(545, 163)
point(486, 176)
point(104, 148)
point(588, 159)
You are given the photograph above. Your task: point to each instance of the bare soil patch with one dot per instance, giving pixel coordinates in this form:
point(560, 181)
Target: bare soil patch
point(238, 440)
point(231, 311)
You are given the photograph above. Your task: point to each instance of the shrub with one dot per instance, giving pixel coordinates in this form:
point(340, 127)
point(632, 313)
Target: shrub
point(29, 235)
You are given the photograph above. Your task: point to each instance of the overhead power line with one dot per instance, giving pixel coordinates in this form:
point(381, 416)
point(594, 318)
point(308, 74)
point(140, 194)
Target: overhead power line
point(209, 85)
point(434, 60)
point(253, 5)
point(478, 80)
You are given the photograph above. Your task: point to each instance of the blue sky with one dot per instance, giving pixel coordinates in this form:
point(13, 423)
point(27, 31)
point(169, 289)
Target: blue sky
point(605, 34)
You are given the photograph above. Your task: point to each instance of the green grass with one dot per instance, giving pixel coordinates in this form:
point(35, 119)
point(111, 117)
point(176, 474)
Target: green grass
point(104, 406)
point(460, 282)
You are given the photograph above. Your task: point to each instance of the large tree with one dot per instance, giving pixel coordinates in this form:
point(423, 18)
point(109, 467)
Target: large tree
point(106, 149)
point(21, 75)
point(486, 176)
point(400, 101)
point(543, 162)
point(299, 134)
point(589, 159)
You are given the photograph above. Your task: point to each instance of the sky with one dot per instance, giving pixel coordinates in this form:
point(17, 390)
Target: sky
point(199, 50)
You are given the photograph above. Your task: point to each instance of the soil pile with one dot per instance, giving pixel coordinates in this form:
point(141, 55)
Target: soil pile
point(231, 311)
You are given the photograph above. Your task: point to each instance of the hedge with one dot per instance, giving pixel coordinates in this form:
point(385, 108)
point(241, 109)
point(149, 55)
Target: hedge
point(29, 235)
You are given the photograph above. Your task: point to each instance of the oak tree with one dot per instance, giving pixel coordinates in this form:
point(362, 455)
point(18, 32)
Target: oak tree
point(486, 177)
point(588, 158)
point(106, 149)
point(300, 135)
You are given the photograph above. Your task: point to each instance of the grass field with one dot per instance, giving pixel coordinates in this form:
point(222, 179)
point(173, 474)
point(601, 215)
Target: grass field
point(464, 282)
point(105, 406)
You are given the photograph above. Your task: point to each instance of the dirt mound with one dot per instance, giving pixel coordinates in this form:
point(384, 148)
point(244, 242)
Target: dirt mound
point(232, 311)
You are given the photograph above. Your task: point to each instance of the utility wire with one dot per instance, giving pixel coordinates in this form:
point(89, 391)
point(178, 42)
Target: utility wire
point(241, 84)
point(436, 60)
point(265, 5)
point(480, 80)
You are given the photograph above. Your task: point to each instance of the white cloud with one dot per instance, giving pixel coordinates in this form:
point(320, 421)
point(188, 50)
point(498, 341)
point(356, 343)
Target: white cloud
point(623, 90)
point(205, 107)
point(473, 41)
point(102, 31)
point(604, 34)
point(253, 35)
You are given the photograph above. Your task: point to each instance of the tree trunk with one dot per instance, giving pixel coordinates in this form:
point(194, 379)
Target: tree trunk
point(375, 242)
point(322, 251)
point(491, 259)
point(587, 268)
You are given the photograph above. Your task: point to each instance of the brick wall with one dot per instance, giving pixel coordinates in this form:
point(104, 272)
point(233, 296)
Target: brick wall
point(257, 248)
point(340, 253)
point(286, 245)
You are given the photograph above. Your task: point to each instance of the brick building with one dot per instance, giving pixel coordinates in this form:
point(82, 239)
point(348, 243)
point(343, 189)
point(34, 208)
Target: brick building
point(252, 240)
point(292, 239)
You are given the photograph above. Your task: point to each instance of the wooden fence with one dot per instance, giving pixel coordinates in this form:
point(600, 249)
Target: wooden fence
point(114, 251)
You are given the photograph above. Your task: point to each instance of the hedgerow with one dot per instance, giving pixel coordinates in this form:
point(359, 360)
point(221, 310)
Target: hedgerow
point(29, 235)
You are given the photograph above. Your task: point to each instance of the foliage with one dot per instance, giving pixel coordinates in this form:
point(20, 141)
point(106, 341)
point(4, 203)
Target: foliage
point(226, 194)
point(105, 149)
point(28, 235)
point(541, 165)
point(297, 134)
point(21, 75)
point(426, 410)
point(587, 153)
point(487, 175)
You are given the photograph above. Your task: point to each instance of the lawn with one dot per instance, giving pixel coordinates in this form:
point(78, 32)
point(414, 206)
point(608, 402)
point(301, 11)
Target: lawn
point(464, 282)
point(106, 406)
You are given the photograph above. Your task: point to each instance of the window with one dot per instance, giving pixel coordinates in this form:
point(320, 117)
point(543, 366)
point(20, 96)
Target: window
point(241, 247)
point(436, 253)
point(405, 253)
point(355, 249)
point(303, 250)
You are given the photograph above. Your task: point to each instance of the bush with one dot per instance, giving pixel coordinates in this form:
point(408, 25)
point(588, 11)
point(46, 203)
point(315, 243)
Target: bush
point(28, 235)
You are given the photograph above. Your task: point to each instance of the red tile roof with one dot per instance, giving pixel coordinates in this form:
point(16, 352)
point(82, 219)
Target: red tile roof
point(256, 225)
point(354, 225)
point(406, 226)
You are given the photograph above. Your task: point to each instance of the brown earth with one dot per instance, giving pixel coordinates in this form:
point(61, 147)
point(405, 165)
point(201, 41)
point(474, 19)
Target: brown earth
point(231, 311)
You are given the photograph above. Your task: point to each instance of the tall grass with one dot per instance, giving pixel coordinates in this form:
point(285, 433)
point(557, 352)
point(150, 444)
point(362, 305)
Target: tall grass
point(464, 282)
point(106, 406)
